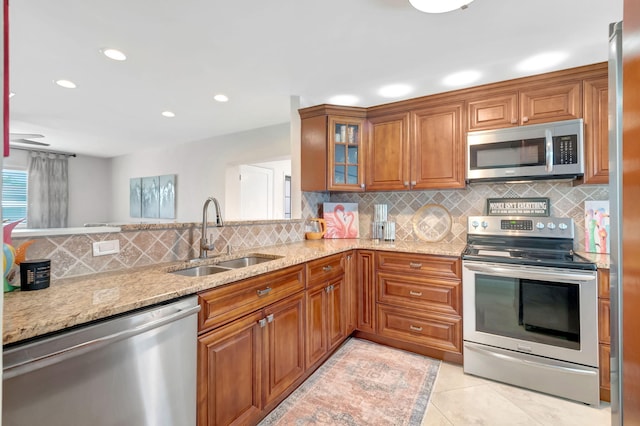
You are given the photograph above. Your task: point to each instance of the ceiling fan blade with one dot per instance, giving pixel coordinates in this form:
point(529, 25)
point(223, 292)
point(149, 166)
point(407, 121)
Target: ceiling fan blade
point(18, 136)
point(29, 142)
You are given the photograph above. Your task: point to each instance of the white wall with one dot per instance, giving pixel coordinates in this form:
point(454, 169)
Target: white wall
point(89, 186)
point(200, 168)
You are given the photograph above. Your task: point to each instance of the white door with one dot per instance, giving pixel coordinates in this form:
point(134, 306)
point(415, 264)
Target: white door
point(256, 193)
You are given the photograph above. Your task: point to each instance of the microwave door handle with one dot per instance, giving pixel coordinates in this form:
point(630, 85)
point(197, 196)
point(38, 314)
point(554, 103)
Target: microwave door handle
point(548, 151)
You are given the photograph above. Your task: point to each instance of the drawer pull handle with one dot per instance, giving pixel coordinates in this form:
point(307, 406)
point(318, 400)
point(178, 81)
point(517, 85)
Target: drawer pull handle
point(415, 293)
point(329, 288)
point(415, 265)
point(327, 268)
point(263, 292)
point(414, 328)
point(270, 318)
point(262, 323)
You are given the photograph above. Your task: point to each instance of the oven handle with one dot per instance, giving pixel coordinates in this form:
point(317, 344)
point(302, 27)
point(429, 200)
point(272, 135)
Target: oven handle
point(526, 361)
point(531, 274)
point(549, 151)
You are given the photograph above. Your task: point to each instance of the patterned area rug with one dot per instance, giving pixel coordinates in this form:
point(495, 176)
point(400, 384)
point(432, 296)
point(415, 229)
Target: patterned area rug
point(363, 383)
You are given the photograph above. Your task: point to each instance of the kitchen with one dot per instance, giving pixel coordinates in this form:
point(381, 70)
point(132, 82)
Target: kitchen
point(454, 201)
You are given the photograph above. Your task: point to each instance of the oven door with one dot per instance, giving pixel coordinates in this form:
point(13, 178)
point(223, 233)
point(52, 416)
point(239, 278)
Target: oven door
point(543, 311)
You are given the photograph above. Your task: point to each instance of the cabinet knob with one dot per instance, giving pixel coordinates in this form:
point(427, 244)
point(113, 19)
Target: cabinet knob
point(262, 322)
point(362, 185)
point(514, 121)
point(406, 183)
point(327, 268)
point(413, 183)
point(270, 318)
point(525, 119)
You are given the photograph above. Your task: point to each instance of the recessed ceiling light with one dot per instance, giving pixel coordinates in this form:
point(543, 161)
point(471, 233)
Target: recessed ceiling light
point(168, 114)
point(344, 100)
point(395, 90)
point(67, 84)
point(542, 61)
point(221, 98)
point(461, 78)
point(439, 6)
point(114, 54)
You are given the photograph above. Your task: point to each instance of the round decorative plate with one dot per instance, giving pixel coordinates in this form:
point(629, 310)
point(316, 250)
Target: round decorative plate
point(432, 223)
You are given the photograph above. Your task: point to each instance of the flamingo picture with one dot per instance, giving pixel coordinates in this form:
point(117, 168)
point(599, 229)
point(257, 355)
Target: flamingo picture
point(342, 220)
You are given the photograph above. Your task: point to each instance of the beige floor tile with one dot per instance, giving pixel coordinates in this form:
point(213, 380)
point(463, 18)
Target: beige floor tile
point(552, 411)
point(434, 417)
point(451, 376)
point(480, 405)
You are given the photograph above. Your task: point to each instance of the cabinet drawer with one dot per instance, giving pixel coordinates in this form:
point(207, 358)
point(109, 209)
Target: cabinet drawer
point(438, 331)
point(428, 265)
point(223, 304)
point(320, 270)
point(604, 328)
point(433, 294)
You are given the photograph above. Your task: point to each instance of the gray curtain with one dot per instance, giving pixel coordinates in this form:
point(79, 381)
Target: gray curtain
point(48, 190)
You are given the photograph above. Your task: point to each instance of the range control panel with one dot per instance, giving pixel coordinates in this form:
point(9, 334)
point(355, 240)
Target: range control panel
point(547, 227)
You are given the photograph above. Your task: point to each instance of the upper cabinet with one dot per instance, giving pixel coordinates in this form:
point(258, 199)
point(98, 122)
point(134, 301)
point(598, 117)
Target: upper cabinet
point(420, 149)
point(421, 143)
point(596, 130)
point(332, 148)
point(529, 104)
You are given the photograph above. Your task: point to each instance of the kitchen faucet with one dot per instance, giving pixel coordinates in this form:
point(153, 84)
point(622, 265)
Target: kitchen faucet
point(204, 243)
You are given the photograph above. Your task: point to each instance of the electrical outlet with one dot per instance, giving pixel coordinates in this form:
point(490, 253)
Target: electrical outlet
point(101, 248)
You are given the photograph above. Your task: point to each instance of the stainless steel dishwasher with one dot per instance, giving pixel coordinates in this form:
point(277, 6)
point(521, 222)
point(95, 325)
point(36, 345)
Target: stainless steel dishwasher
point(134, 369)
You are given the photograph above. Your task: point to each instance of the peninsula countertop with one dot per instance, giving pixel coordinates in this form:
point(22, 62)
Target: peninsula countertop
point(78, 300)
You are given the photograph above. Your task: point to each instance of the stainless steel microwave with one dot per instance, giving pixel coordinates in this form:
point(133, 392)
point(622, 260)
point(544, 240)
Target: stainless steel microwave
point(539, 151)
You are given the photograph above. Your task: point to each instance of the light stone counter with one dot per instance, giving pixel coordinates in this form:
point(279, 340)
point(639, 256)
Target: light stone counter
point(74, 301)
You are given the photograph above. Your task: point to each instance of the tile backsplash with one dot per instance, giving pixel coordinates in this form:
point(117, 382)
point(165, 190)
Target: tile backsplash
point(72, 255)
point(566, 201)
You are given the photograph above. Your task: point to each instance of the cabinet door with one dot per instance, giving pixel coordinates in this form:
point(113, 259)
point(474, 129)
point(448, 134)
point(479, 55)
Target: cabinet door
point(229, 373)
point(596, 130)
point(316, 338)
point(388, 153)
point(335, 311)
point(551, 102)
point(346, 171)
point(437, 148)
point(284, 350)
point(366, 298)
point(493, 111)
point(313, 153)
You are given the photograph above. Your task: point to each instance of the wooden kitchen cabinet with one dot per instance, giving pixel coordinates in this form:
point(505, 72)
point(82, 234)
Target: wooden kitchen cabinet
point(596, 130)
point(366, 294)
point(421, 149)
point(388, 163)
point(604, 334)
point(326, 305)
point(332, 148)
point(531, 103)
point(250, 346)
point(419, 301)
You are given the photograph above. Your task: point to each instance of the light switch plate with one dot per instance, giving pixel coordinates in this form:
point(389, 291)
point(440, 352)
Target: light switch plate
point(100, 248)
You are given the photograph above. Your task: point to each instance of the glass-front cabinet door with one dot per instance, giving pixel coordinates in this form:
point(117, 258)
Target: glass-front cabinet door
point(346, 171)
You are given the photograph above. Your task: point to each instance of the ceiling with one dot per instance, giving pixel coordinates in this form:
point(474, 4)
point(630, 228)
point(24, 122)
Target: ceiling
point(260, 53)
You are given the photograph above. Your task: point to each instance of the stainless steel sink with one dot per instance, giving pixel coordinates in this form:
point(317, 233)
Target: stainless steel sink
point(200, 271)
point(227, 265)
point(242, 262)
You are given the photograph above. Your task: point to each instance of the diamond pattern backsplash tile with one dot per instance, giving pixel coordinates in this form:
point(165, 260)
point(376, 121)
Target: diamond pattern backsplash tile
point(566, 201)
point(72, 255)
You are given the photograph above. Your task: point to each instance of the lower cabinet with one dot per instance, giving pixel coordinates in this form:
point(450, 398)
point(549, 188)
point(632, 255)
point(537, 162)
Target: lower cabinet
point(419, 303)
point(327, 310)
point(604, 334)
point(246, 365)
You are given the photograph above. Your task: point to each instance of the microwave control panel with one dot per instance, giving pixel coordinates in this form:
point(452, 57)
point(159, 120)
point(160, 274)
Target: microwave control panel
point(565, 149)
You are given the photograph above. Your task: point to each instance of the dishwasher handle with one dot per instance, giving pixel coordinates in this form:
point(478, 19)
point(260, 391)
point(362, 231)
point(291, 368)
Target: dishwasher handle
point(32, 364)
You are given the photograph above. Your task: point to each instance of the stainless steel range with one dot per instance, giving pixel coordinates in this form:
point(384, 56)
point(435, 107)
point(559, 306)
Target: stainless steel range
point(530, 306)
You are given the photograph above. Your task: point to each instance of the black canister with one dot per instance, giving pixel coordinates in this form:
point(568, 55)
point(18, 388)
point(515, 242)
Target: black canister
point(35, 274)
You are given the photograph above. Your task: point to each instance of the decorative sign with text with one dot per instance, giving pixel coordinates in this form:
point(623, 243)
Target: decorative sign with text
point(518, 206)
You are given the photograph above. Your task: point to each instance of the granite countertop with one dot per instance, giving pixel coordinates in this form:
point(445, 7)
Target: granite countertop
point(74, 301)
